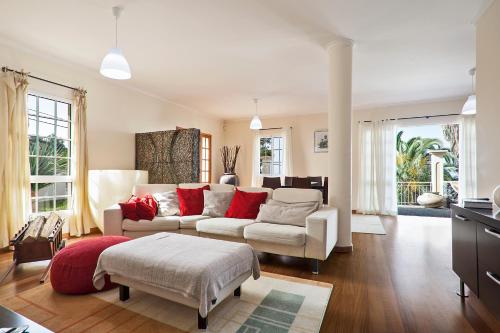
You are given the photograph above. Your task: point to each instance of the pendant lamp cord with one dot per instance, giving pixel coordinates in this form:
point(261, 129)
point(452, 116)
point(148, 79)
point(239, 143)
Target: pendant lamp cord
point(256, 100)
point(116, 31)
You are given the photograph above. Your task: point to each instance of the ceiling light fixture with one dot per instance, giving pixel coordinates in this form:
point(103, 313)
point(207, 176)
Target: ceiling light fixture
point(256, 124)
point(470, 105)
point(114, 65)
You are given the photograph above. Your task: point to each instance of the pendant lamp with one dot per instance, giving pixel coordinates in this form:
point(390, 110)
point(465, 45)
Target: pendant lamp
point(114, 65)
point(256, 124)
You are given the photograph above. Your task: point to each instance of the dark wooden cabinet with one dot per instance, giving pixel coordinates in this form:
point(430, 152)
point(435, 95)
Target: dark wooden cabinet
point(476, 253)
point(464, 250)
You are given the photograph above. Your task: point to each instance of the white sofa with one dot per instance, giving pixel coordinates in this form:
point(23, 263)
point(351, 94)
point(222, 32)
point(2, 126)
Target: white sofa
point(314, 241)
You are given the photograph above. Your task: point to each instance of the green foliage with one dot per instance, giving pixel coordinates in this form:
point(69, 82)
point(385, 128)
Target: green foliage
point(48, 148)
point(412, 158)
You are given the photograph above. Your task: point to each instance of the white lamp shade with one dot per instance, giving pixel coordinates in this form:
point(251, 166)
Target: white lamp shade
point(115, 66)
point(470, 105)
point(256, 124)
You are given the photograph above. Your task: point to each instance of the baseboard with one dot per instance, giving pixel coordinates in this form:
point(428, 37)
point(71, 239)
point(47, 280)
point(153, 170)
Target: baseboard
point(93, 231)
point(343, 249)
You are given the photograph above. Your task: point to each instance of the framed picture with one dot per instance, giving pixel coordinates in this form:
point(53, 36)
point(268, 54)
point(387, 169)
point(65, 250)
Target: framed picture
point(321, 141)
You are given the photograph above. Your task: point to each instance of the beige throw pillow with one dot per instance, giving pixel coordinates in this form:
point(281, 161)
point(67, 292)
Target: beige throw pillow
point(216, 203)
point(168, 203)
point(286, 213)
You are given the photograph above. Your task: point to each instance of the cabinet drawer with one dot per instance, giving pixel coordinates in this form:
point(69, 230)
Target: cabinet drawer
point(489, 289)
point(488, 247)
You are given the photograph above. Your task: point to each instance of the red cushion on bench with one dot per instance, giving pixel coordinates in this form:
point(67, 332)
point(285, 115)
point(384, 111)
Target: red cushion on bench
point(73, 267)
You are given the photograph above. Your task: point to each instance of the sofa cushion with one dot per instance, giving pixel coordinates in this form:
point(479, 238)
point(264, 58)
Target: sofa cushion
point(213, 187)
point(293, 195)
point(276, 233)
point(159, 223)
point(190, 221)
point(223, 226)
point(216, 203)
point(245, 205)
point(191, 200)
point(286, 213)
point(168, 203)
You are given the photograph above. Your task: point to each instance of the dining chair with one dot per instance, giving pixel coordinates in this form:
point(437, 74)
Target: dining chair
point(288, 181)
point(316, 181)
point(325, 191)
point(299, 182)
point(271, 182)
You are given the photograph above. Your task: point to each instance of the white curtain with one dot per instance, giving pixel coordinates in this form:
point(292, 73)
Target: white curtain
point(81, 220)
point(377, 168)
point(256, 177)
point(286, 134)
point(467, 172)
point(15, 202)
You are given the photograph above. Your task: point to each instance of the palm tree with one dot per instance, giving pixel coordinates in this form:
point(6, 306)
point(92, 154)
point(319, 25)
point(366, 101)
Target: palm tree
point(412, 158)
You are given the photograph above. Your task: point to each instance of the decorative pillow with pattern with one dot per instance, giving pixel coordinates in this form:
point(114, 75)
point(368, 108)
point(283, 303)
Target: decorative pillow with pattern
point(216, 203)
point(286, 213)
point(168, 203)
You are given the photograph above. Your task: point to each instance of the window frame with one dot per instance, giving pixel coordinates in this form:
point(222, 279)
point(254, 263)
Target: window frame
point(52, 179)
point(281, 157)
point(208, 159)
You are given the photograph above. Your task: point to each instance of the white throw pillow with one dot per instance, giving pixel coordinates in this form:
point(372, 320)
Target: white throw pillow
point(216, 203)
point(286, 213)
point(168, 203)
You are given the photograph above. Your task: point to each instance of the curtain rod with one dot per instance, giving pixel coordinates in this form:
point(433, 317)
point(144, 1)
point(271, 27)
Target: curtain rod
point(416, 117)
point(7, 69)
point(272, 128)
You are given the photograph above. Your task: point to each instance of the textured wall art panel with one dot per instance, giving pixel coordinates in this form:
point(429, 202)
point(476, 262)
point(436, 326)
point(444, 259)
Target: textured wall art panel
point(170, 157)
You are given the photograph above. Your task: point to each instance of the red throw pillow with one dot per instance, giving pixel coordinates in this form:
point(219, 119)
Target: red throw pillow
point(129, 210)
point(245, 205)
point(150, 200)
point(139, 208)
point(191, 200)
point(144, 211)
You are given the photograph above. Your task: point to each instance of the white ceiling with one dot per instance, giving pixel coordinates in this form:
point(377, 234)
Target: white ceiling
point(216, 55)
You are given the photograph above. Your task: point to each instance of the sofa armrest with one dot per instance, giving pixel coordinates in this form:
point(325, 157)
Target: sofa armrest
point(113, 218)
point(321, 233)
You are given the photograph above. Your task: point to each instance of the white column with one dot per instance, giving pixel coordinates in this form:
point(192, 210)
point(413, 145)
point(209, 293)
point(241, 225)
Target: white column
point(437, 170)
point(339, 129)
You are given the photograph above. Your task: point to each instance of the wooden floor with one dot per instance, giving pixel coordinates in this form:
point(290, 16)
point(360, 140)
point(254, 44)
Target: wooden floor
point(399, 282)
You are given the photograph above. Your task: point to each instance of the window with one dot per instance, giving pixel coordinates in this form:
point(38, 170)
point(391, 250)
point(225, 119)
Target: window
point(206, 158)
point(271, 156)
point(49, 131)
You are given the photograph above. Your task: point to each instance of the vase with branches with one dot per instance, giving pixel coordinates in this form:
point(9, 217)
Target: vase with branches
point(229, 155)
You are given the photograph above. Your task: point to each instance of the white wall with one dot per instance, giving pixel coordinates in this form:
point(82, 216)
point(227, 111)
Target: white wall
point(488, 100)
point(305, 161)
point(114, 112)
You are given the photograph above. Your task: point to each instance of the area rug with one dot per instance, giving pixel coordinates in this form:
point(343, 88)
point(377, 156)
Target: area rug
point(367, 224)
point(274, 303)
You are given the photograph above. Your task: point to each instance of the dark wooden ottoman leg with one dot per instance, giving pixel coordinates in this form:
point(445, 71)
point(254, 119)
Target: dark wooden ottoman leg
point(237, 292)
point(202, 322)
point(124, 293)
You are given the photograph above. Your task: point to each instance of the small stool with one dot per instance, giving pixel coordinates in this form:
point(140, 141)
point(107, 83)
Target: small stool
point(73, 267)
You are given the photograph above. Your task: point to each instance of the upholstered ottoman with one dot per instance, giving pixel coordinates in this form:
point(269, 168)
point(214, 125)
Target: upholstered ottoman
point(194, 271)
point(73, 267)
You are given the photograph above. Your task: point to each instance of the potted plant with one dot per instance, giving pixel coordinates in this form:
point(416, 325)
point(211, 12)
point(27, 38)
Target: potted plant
point(229, 156)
